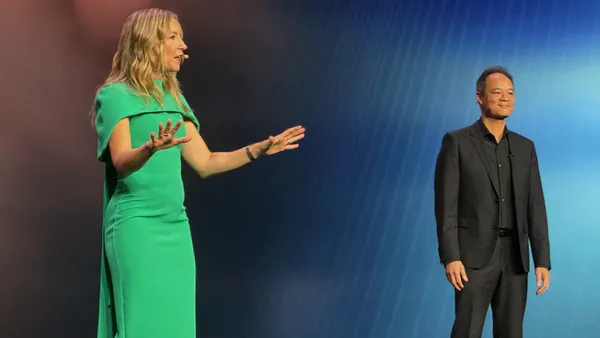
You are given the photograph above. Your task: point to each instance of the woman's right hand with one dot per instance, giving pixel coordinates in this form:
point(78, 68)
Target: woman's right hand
point(166, 137)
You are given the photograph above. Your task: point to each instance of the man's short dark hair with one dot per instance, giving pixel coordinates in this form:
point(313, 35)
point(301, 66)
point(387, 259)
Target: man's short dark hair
point(489, 71)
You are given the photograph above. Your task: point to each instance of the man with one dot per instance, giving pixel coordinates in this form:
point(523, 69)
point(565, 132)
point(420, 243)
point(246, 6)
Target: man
point(489, 206)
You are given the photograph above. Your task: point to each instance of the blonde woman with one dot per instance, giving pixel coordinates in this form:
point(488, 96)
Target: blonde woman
point(144, 127)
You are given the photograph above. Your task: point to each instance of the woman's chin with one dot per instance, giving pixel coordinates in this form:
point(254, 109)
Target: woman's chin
point(173, 68)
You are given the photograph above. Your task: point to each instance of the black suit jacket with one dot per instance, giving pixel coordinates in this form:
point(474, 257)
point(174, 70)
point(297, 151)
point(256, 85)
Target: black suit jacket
point(466, 200)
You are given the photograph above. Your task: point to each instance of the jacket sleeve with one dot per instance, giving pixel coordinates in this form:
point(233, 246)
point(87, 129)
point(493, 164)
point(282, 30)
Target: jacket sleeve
point(536, 216)
point(446, 187)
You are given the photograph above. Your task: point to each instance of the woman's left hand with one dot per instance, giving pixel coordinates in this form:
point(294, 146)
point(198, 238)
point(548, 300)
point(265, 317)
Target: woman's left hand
point(284, 141)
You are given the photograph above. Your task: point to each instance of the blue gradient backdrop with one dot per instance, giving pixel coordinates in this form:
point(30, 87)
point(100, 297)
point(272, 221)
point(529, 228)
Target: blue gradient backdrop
point(337, 240)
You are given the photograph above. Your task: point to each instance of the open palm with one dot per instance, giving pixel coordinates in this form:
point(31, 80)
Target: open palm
point(284, 141)
point(166, 137)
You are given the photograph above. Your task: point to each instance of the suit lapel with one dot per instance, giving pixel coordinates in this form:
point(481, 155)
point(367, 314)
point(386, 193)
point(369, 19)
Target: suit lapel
point(477, 140)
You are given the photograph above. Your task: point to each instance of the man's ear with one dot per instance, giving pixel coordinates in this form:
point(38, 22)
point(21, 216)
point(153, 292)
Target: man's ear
point(479, 98)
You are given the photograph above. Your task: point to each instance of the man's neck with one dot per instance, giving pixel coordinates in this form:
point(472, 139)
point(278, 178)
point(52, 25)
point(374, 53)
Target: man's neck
point(495, 126)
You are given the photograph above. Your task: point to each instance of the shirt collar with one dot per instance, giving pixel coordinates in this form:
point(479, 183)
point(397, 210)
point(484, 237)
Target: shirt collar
point(486, 132)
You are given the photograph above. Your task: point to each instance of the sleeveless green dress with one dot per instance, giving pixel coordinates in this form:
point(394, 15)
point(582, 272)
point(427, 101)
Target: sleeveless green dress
point(148, 271)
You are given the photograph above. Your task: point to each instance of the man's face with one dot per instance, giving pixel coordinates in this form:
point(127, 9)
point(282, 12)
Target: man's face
point(497, 100)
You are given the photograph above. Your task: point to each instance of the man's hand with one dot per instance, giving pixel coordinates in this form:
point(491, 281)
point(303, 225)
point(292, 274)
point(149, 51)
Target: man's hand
point(456, 274)
point(542, 280)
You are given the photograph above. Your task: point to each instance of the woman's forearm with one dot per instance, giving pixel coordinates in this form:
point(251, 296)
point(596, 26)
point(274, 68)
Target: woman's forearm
point(129, 161)
point(225, 161)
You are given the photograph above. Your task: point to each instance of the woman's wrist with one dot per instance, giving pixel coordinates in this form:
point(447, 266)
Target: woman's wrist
point(251, 152)
point(149, 146)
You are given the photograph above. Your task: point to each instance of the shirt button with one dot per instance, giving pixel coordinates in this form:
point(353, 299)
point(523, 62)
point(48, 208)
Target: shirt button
point(499, 165)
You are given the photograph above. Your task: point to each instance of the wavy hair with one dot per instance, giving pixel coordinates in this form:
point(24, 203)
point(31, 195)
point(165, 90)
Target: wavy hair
point(139, 60)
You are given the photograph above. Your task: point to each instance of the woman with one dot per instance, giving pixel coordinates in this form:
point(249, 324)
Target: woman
point(148, 268)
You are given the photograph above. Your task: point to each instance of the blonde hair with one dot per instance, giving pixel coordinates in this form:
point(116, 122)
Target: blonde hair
point(138, 60)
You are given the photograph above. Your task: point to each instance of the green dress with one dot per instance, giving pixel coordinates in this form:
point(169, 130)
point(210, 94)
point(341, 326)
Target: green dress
point(148, 271)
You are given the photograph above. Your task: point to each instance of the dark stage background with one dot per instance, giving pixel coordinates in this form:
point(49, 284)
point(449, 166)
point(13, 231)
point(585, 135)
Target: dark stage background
point(336, 239)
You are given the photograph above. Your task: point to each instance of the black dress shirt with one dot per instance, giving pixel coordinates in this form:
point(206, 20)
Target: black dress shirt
point(499, 157)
